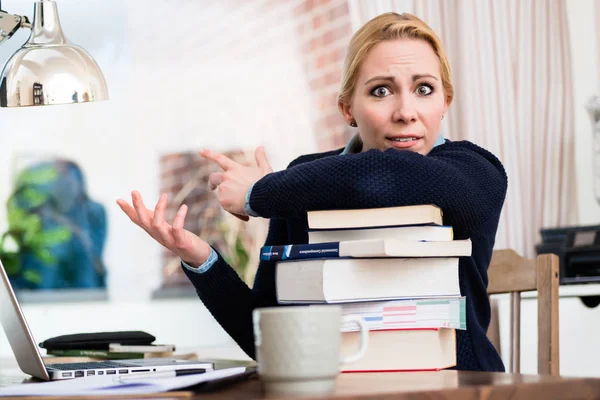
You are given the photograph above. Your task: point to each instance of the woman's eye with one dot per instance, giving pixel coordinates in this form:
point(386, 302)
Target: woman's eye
point(380, 91)
point(424, 90)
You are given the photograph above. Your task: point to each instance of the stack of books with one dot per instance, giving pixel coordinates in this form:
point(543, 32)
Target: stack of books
point(396, 267)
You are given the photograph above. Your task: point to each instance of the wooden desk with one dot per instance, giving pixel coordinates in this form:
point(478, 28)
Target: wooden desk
point(409, 385)
point(439, 385)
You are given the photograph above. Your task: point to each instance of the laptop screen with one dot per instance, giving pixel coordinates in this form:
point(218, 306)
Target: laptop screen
point(17, 331)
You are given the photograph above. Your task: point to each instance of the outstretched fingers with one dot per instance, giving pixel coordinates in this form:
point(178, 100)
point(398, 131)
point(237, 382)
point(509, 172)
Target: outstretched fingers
point(177, 227)
point(144, 215)
point(159, 226)
point(129, 211)
point(159, 210)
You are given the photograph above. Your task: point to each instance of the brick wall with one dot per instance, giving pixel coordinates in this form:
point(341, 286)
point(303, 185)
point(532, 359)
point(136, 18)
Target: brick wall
point(325, 30)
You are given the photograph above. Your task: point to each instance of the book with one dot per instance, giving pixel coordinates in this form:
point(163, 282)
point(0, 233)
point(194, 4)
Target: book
point(416, 232)
point(134, 348)
point(371, 217)
point(107, 355)
point(55, 359)
point(402, 350)
point(434, 312)
point(368, 248)
point(331, 280)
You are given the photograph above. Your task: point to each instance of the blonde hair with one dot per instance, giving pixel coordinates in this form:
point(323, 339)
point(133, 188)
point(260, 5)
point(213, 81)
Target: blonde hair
point(390, 26)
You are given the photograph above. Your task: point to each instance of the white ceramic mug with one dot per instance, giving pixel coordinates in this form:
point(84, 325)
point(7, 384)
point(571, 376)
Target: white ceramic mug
point(298, 347)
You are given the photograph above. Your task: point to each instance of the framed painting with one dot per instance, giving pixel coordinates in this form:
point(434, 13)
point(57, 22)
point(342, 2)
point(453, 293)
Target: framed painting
point(55, 233)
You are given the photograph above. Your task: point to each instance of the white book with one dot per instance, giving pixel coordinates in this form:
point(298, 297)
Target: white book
point(426, 214)
point(405, 248)
point(415, 233)
point(134, 348)
point(362, 279)
point(368, 248)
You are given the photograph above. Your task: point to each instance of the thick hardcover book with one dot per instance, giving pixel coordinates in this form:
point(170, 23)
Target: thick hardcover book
point(339, 280)
point(368, 249)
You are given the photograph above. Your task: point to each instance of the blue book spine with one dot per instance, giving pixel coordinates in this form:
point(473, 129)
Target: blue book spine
point(299, 251)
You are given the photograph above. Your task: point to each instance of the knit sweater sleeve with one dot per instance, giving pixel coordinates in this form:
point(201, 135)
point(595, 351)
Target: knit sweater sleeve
point(230, 300)
point(461, 178)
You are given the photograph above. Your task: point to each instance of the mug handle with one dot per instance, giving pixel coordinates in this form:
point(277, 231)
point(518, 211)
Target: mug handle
point(364, 338)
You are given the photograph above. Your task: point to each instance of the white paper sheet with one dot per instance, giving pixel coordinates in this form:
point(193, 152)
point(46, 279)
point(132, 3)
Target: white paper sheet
point(111, 385)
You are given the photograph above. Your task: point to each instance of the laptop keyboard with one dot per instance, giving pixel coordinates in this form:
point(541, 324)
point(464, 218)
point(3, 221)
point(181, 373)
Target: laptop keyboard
point(89, 365)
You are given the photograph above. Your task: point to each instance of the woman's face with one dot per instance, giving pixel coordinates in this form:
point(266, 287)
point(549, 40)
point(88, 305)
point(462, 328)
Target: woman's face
point(398, 100)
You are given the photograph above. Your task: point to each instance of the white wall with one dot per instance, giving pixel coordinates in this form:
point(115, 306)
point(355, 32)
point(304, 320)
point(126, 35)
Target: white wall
point(597, 6)
point(181, 75)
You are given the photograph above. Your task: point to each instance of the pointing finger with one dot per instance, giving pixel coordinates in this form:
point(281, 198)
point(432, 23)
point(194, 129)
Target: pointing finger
point(262, 161)
point(222, 160)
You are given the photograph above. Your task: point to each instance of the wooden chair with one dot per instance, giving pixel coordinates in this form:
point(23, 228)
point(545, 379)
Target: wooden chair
point(511, 273)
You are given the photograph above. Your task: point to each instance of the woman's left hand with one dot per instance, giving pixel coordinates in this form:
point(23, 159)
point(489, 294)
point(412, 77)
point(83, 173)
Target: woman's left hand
point(232, 184)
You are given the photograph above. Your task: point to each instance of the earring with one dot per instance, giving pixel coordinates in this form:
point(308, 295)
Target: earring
point(442, 117)
point(353, 124)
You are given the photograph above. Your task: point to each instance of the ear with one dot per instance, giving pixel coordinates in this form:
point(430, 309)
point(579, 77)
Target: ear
point(447, 101)
point(346, 111)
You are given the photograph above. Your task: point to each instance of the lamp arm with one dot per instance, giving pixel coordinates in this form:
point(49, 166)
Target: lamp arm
point(10, 23)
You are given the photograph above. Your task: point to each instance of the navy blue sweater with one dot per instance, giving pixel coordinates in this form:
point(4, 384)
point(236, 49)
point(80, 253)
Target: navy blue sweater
point(466, 181)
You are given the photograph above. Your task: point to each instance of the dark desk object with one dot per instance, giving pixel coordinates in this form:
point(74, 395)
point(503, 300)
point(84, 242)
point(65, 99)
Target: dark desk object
point(578, 248)
point(401, 385)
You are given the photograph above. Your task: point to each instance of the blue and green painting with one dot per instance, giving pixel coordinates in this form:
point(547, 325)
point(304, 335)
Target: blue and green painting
point(56, 233)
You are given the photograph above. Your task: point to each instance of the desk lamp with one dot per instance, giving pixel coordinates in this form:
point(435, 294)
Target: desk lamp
point(47, 69)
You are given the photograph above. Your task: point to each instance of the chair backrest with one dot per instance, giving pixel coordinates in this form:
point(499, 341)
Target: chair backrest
point(511, 273)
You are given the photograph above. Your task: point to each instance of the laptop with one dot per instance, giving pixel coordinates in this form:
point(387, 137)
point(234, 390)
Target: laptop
point(30, 360)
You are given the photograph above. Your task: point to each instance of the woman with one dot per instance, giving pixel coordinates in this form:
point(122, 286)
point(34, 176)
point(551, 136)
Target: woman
point(396, 88)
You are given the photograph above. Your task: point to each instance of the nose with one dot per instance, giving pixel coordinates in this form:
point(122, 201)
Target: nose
point(405, 110)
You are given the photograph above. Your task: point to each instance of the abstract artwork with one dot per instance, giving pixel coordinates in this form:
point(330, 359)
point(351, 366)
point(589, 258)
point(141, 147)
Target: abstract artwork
point(56, 232)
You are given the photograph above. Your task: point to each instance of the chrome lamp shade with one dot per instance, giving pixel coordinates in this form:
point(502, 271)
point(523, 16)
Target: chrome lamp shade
point(48, 69)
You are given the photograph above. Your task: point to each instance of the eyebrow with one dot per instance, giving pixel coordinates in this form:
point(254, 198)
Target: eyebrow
point(391, 78)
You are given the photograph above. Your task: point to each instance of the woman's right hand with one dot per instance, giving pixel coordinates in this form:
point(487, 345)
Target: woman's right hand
point(188, 246)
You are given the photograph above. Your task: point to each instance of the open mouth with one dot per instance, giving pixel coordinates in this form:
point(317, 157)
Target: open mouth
point(403, 142)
